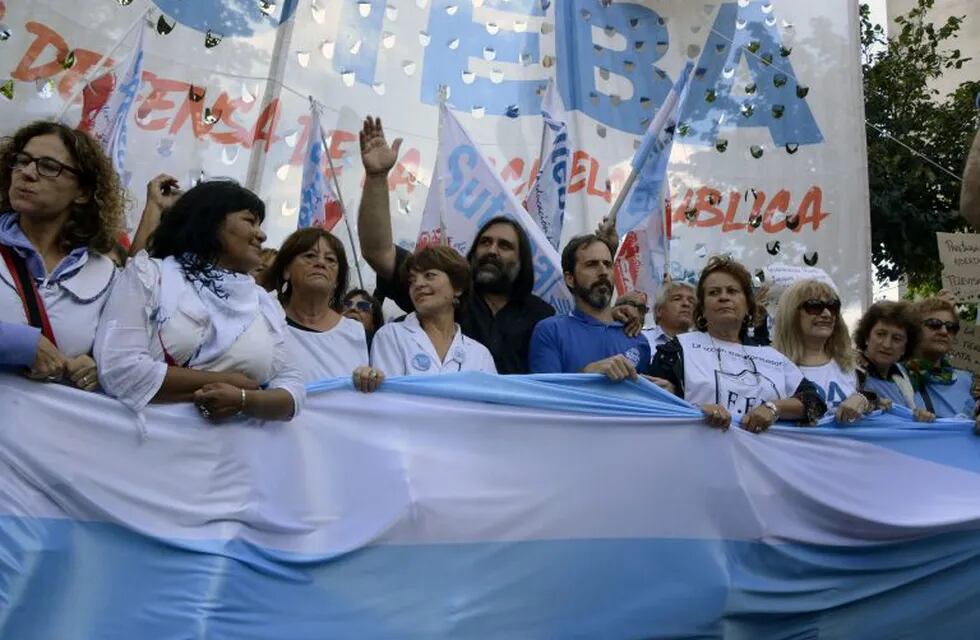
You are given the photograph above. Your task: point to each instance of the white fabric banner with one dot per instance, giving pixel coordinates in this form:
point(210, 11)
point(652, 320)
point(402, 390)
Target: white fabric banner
point(771, 147)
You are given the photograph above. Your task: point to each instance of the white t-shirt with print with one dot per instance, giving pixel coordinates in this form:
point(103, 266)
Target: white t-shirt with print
point(736, 376)
point(832, 383)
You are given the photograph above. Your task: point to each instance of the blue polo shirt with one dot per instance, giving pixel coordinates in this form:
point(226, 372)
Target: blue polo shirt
point(951, 400)
point(567, 344)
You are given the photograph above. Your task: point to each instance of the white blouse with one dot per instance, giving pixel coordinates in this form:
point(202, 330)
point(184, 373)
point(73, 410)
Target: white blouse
point(328, 354)
point(404, 349)
point(73, 303)
point(736, 376)
point(137, 330)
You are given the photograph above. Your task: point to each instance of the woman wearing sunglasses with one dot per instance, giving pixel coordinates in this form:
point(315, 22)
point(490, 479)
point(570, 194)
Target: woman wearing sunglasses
point(940, 388)
point(310, 275)
point(429, 341)
point(61, 208)
point(811, 333)
point(887, 334)
point(716, 369)
point(361, 306)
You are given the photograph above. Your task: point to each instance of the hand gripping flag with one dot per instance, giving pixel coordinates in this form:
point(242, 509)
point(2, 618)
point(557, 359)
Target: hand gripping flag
point(466, 193)
point(545, 201)
point(319, 204)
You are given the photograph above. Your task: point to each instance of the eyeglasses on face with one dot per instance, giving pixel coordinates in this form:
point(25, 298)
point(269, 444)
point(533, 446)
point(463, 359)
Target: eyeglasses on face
point(936, 324)
point(815, 307)
point(46, 167)
point(361, 305)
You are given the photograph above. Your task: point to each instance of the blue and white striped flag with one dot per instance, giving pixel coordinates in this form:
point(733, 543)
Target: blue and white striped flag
point(319, 204)
point(110, 123)
point(545, 200)
point(645, 196)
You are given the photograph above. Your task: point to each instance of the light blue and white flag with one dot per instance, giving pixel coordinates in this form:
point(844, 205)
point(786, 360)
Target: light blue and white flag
point(466, 192)
point(110, 123)
point(319, 204)
point(545, 200)
point(645, 196)
point(477, 506)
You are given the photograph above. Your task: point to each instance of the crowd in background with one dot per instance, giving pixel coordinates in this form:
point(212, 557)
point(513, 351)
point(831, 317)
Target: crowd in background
point(198, 310)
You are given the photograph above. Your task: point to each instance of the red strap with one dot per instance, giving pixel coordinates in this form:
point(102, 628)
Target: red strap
point(18, 272)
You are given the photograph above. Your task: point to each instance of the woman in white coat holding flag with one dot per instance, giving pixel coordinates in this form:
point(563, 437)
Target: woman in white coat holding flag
point(429, 341)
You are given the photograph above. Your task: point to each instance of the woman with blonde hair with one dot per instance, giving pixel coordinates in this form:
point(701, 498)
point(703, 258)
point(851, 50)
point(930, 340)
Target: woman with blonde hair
point(811, 333)
point(61, 209)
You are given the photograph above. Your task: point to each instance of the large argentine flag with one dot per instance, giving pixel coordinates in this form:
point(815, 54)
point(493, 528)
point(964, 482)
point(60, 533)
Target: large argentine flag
point(471, 506)
point(466, 192)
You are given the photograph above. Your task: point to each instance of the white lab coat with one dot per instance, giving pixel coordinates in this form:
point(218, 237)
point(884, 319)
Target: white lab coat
point(404, 349)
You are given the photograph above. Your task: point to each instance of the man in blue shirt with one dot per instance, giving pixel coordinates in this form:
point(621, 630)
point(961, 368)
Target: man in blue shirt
point(588, 340)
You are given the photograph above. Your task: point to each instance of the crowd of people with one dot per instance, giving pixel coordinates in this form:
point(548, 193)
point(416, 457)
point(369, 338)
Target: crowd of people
point(198, 311)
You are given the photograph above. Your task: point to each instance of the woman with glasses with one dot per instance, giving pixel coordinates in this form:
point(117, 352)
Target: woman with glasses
point(309, 275)
point(428, 341)
point(812, 334)
point(187, 323)
point(61, 208)
point(885, 335)
point(361, 306)
point(714, 367)
point(939, 387)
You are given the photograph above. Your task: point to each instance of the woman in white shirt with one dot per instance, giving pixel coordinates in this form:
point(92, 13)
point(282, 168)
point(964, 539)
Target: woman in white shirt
point(714, 368)
point(61, 208)
point(811, 333)
point(190, 324)
point(310, 275)
point(429, 341)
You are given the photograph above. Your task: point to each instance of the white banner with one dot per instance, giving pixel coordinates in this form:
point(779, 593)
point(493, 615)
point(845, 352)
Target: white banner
point(771, 147)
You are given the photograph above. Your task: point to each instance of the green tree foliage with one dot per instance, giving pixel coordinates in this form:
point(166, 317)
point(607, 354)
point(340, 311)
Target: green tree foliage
point(911, 198)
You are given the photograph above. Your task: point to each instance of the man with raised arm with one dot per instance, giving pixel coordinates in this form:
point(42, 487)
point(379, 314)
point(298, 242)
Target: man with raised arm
point(501, 312)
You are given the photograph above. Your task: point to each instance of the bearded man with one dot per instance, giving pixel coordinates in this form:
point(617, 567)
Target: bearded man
point(588, 340)
point(501, 312)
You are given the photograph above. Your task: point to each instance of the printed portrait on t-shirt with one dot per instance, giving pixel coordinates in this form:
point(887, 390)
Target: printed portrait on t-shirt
point(741, 392)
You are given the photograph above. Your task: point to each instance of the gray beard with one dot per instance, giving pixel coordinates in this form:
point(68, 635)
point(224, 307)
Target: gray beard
point(491, 279)
point(596, 296)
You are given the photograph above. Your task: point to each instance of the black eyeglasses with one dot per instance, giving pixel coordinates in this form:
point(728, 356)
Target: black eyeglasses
point(815, 307)
point(361, 305)
point(47, 167)
point(936, 324)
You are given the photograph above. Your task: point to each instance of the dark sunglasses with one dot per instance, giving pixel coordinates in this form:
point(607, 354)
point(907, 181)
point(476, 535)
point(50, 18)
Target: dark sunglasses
point(47, 167)
point(936, 324)
point(360, 305)
point(815, 307)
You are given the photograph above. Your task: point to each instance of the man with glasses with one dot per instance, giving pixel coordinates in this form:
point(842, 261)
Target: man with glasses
point(939, 387)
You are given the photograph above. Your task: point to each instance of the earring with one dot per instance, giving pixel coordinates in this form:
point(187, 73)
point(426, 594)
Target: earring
point(455, 301)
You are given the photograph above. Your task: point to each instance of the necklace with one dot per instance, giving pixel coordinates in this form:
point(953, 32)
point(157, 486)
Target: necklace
point(745, 356)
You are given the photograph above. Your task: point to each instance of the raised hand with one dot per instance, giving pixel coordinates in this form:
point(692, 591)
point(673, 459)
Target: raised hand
point(378, 157)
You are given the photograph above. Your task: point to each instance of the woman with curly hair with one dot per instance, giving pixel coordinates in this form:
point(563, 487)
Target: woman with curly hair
point(811, 332)
point(188, 323)
point(886, 335)
point(715, 368)
point(61, 208)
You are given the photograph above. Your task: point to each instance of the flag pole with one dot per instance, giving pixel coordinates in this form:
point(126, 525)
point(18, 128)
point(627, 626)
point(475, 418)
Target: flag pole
point(343, 207)
point(88, 77)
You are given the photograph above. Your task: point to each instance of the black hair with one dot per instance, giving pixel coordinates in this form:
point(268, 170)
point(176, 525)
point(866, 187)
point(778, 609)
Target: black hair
point(377, 315)
point(189, 230)
point(524, 283)
point(568, 254)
